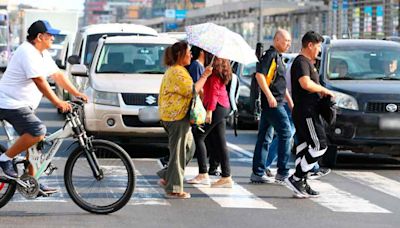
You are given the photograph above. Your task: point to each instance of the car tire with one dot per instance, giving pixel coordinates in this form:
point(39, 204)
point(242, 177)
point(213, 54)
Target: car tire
point(330, 157)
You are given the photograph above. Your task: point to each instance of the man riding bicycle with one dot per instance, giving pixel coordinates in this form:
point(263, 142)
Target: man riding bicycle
point(21, 89)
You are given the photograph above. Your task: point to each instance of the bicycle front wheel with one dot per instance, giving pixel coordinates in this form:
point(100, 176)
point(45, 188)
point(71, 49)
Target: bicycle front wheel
point(107, 193)
point(7, 187)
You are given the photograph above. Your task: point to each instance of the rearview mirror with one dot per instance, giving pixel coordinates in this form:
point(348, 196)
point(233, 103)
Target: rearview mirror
point(79, 70)
point(74, 59)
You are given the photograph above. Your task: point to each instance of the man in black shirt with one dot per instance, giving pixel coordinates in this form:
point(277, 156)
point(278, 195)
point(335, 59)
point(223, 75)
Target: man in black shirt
point(273, 115)
point(306, 93)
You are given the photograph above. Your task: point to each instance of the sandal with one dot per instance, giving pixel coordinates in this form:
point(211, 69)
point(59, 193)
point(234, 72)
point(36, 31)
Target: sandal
point(176, 195)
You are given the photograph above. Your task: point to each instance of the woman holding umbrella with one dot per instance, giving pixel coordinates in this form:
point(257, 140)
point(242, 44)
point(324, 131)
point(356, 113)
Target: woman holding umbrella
point(176, 93)
point(216, 102)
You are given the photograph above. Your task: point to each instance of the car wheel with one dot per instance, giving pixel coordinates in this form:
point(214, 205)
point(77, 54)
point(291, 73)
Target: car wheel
point(330, 157)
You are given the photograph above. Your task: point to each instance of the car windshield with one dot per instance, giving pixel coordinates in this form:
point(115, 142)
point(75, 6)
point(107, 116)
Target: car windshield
point(363, 63)
point(132, 59)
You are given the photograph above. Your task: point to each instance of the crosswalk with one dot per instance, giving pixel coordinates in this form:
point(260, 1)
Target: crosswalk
point(334, 195)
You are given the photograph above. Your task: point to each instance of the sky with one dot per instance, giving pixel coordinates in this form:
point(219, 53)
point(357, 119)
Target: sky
point(55, 4)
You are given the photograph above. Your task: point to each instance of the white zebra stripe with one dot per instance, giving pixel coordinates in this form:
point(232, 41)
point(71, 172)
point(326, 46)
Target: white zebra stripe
point(375, 181)
point(341, 201)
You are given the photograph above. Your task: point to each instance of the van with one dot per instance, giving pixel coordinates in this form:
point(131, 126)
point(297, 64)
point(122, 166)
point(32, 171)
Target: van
point(85, 44)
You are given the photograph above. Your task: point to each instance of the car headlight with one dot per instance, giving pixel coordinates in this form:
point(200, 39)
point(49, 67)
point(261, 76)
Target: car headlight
point(105, 98)
point(244, 91)
point(345, 101)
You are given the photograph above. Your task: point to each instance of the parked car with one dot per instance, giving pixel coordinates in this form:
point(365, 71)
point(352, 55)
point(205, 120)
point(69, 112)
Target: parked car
point(123, 85)
point(365, 78)
point(82, 49)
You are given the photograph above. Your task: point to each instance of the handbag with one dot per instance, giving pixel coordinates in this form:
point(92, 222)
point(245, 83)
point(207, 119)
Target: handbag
point(197, 115)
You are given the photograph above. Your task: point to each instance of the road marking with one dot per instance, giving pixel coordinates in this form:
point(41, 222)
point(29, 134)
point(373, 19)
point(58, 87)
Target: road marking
point(375, 181)
point(341, 201)
point(53, 181)
point(240, 150)
point(236, 197)
point(146, 193)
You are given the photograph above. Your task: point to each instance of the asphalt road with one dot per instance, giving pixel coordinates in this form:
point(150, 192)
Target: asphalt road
point(363, 191)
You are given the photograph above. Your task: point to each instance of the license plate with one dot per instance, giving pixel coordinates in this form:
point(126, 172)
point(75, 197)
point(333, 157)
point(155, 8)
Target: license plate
point(149, 115)
point(389, 123)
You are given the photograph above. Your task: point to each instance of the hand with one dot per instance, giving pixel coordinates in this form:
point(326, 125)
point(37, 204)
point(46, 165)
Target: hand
point(207, 71)
point(83, 97)
point(209, 117)
point(63, 106)
point(327, 93)
point(272, 102)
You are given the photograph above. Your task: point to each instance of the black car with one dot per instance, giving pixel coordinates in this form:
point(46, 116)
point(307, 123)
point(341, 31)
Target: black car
point(365, 77)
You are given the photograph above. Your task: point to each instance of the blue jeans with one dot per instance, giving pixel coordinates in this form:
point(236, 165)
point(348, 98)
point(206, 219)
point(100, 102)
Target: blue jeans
point(273, 149)
point(278, 119)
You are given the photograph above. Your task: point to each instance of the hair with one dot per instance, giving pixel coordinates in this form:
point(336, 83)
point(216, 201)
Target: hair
point(312, 37)
point(195, 52)
point(175, 52)
point(226, 70)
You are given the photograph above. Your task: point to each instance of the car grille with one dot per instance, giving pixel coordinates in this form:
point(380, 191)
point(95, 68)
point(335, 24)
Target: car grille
point(144, 99)
point(133, 121)
point(377, 107)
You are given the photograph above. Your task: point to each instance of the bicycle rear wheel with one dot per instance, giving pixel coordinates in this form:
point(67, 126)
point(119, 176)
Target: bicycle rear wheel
point(7, 186)
point(100, 195)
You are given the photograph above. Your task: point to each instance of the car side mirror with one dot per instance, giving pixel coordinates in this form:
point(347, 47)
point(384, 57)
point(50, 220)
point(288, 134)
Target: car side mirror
point(79, 70)
point(60, 64)
point(74, 59)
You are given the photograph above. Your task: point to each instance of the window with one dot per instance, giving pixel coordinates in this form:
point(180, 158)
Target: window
point(363, 62)
point(132, 59)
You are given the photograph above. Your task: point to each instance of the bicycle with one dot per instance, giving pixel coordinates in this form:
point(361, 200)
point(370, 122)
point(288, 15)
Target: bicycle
point(92, 163)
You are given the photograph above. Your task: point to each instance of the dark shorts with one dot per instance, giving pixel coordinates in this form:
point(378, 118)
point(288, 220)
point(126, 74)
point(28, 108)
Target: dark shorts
point(24, 121)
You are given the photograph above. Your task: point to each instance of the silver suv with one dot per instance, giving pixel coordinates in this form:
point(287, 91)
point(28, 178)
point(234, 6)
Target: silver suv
point(123, 86)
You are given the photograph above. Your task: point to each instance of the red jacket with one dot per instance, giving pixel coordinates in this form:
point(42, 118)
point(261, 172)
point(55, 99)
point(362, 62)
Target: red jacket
point(215, 92)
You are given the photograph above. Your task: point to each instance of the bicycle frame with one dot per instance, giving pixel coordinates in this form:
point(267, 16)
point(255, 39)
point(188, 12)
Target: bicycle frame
point(40, 160)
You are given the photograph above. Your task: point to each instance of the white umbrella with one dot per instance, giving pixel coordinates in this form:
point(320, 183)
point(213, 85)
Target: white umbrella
point(221, 41)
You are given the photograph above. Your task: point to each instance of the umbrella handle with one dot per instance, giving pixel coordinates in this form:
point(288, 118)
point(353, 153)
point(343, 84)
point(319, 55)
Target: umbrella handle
point(212, 61)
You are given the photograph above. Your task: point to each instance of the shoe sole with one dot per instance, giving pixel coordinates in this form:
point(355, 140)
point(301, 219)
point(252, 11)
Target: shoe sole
point(316, 177)
point(294, 189)
point(187, 196)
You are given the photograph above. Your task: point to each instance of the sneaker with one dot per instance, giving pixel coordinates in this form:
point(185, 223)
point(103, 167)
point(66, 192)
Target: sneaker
point(223, 182)
point(180, 195)
point(200, 179)
point(311, 193)
point(319, 173)
point(260, 179)
point(280, 179)
point(46, 190)
point(298, 187)
point(8, 169)
point(269, 173)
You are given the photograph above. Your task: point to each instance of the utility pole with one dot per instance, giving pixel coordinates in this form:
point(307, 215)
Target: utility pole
point(260, 22)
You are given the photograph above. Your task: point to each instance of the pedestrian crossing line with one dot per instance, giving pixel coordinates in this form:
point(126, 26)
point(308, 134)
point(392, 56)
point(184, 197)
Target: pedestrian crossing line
point(146, 193)
point(375, 181)
point(241, 151)
point(341, 201)
point(236, 197)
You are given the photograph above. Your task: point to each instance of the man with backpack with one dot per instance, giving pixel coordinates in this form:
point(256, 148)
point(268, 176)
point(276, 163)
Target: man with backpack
point(271, 80)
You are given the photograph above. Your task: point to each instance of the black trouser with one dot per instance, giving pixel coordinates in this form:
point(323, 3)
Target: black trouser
point(217, 126)
point(312, 141)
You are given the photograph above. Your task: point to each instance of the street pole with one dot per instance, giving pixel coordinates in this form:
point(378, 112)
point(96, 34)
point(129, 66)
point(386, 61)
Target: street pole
point(260, 22)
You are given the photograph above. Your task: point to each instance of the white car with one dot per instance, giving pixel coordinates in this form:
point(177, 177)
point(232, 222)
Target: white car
point(124, 83)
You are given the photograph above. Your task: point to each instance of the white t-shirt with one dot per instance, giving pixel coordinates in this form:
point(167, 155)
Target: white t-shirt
point(17, 88)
